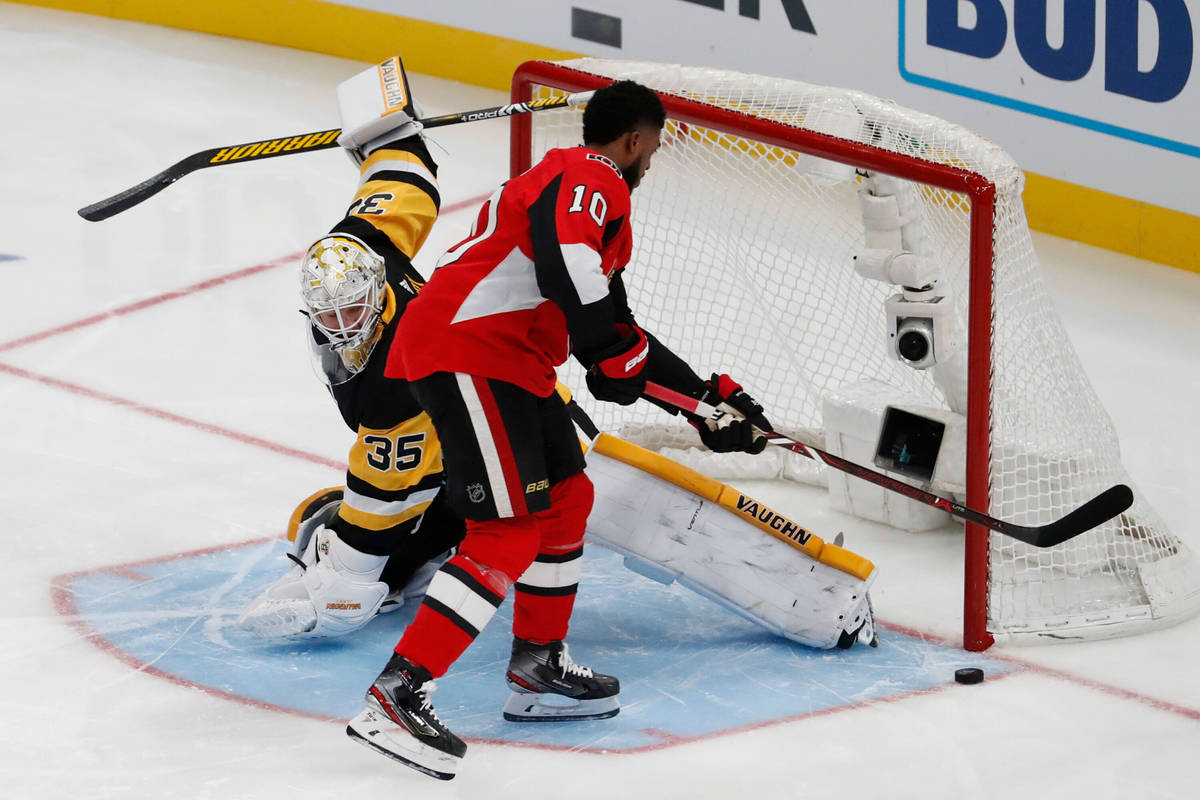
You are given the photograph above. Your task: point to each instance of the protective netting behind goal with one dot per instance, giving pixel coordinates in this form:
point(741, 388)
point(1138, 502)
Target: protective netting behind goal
point(743, 264)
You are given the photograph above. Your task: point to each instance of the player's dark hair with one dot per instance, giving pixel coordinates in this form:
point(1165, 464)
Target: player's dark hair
point(619, 108)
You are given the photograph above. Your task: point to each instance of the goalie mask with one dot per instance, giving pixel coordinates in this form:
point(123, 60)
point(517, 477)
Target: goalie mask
point(343, 283)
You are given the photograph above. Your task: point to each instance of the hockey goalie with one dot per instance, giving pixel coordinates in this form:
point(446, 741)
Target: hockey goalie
point(375, 543)
point(671, 524)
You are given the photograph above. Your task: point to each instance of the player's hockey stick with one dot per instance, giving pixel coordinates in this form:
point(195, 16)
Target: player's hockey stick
point(302, 143)
point(1098, 510)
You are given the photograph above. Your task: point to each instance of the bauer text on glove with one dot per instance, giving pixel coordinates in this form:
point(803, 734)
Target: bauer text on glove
point(618, 374)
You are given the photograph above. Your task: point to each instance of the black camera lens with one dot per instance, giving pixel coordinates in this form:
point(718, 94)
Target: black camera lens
point(913, 345)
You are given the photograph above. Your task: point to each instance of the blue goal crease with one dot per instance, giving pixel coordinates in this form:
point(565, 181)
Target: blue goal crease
point(688, 667)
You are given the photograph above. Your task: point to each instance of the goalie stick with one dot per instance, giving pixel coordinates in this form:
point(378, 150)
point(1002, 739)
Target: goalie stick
point(1098, 510)
point(301, 143)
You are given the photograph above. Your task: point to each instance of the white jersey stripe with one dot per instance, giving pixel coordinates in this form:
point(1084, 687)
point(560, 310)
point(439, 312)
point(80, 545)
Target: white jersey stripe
point(489, 227)
point(461, 599)
point(487, 445)
point(510, 286)
point(385, 508)
point(552, 576)
point(584, 266)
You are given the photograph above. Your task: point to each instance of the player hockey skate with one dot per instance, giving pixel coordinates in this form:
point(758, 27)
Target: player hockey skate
point(548, 686)
point(861, 628)
point(400, 723)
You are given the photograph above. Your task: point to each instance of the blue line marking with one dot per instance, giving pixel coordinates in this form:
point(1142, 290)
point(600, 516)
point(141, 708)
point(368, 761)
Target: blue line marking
point(1031, 108)
point(688, 667)
point(7, 257)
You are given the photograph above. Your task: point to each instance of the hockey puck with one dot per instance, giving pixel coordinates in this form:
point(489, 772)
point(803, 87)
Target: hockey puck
point(969, 675)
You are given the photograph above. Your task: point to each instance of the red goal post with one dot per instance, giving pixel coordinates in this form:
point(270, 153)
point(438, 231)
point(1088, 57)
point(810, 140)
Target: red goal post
point(982, 194)
point(992, 457)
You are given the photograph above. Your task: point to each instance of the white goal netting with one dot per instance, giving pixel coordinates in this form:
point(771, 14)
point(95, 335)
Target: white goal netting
point(743, 263)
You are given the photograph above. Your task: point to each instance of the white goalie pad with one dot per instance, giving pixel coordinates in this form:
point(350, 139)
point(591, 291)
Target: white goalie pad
point(374, 103)
point(333, 590)
point(674, 524)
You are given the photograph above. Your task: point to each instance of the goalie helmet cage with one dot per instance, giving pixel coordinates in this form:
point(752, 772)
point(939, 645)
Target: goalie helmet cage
point(745, 230)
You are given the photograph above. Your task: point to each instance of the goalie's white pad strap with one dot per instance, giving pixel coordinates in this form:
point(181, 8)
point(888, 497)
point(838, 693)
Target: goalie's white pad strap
point(301, 530)
point(673, 523)
point(374, 102)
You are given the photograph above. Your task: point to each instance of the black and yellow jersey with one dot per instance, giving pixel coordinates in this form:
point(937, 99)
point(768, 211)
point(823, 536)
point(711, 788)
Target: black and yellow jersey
point(395, 464)
point(397, 200)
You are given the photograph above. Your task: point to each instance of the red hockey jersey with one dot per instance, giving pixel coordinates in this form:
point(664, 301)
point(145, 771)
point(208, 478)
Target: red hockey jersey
point(531, 281)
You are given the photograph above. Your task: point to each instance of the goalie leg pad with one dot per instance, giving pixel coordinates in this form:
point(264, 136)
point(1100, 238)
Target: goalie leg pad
point(715, 549)
point(306, 520)
point(861, 627)
point(648, 569)
point(331, 591)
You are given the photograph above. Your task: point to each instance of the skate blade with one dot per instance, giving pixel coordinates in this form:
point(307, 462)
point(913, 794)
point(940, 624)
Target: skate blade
point(869, 633)
point(866, 633)
point(393, 602)
point(529, 707)
point(373, 730)
point(279, 619)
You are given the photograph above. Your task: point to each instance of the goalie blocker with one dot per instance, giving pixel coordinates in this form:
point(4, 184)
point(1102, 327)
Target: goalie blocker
point(674, 524)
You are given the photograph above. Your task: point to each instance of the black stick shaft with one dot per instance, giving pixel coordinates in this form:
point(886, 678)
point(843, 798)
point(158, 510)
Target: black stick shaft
point(288, 145)
point(1094, 512)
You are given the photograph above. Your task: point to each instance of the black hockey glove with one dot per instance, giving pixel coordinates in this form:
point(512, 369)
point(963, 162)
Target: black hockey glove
point(735, 433)
point(618, 374)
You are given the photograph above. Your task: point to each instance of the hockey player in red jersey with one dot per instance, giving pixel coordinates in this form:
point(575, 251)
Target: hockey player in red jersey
point(537, 280)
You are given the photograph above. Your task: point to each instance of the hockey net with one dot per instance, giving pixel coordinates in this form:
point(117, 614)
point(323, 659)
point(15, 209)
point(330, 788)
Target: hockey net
point(745, 230)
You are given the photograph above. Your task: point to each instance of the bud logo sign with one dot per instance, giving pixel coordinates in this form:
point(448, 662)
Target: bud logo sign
point(1121, 67)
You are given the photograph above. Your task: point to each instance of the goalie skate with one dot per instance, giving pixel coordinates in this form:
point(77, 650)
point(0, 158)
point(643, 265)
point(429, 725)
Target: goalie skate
point(547, 686)
point(399, 722)
point(861, 628)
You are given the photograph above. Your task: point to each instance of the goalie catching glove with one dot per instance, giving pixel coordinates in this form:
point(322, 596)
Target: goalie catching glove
point(741, 429)
point(618, 374)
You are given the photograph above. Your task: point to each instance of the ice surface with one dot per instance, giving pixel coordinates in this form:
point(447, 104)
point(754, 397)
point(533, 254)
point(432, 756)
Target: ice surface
point(135, 431)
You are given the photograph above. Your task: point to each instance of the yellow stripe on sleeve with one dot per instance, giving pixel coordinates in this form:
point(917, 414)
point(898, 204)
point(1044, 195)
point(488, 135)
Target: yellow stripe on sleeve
point(400, 211)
